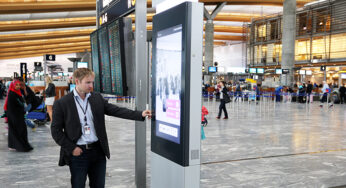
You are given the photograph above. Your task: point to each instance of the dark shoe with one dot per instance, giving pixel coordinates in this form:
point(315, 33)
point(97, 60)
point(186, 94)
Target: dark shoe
point(217, 117)
point(225, 118)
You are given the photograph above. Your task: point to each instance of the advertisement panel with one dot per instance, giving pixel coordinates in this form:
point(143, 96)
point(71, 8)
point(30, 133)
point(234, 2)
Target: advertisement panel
point(168, 83)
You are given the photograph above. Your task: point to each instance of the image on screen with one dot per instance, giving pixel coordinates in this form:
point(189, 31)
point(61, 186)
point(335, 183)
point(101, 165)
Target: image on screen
point(212, 69)
point(278, 71)
point(301, 71)
point(168, 83)
point(308, 72)
point(260, 71)
point(252, 70)
point(82, 65)
point(343, 76)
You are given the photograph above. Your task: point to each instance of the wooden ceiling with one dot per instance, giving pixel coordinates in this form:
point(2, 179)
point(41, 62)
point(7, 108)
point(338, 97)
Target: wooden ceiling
point(33, 43)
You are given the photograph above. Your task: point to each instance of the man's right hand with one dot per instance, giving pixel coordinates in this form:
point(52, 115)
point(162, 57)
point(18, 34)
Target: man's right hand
point(77, 151)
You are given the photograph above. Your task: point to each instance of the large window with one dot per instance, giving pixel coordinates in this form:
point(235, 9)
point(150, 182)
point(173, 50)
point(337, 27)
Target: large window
point(322, 20)
point(338, 46)
point(302, 50)
point(339, 16)
point(274, 30)
point(261, 32)
point(305, 23)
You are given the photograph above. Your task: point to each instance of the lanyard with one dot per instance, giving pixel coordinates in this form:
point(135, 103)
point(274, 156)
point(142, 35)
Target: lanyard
point(84, 111)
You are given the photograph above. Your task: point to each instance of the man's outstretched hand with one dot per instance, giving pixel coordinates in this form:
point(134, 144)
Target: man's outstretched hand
point(146, 113)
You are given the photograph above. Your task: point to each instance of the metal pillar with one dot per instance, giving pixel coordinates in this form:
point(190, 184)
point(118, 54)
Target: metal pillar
point(288, 41)
point(141, 90)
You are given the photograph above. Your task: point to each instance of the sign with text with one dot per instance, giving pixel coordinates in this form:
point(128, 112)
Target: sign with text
point(49, 57)
point(285, 71)
point(23, 71)
point(112, 10)
point(323, 68)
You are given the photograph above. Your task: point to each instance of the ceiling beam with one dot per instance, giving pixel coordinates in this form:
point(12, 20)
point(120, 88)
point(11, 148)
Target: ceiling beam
point(50, 46)
point(44, 42)
point(6, 26)
point(228, 37)
point(46, 23)
point(217, 43)
point(254, 2)
point(45, 35)
point(86, 32)
point(228, 29)
point(44, 51)
point(41, 6)
point(41, 54)
point(235, 17)
point(51, 6)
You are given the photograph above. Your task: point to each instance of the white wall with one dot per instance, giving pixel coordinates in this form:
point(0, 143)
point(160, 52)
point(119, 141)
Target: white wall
point(230, 57)
point(8, 67)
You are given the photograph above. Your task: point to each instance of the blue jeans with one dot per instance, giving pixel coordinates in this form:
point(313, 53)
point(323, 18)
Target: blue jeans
point(91, 162)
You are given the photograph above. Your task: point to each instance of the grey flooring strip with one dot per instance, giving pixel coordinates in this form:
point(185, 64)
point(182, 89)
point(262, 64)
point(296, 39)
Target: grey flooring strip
point(273, 156)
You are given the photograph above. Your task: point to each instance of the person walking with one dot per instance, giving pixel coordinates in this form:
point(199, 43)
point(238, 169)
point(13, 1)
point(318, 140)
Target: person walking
point(223, 99)
point(342, 91)
point(308, 92)
point(325, 91)
point(78, 126)
point(17, 132)
point(237, 91)
point(50, 96)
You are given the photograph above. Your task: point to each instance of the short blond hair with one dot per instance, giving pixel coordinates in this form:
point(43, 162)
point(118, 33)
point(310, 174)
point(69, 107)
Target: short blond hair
point(82, 73)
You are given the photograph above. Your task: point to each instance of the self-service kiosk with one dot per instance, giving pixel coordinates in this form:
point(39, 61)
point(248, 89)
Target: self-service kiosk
point(176, 96)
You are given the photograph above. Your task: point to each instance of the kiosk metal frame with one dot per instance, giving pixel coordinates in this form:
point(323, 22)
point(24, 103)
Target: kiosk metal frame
point(175, 162)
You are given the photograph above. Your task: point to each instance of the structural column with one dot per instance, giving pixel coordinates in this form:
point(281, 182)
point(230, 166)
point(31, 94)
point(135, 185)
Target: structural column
point(288, 41)
point(209, 38)
point(209, 47)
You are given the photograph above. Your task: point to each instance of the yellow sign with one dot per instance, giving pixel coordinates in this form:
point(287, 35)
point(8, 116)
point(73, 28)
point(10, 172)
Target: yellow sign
point(250, 80)
point(133, 2)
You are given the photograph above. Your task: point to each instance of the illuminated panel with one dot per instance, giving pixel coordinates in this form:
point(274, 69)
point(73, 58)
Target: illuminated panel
point(95, 60)
point(104, 57)
point(115, 58)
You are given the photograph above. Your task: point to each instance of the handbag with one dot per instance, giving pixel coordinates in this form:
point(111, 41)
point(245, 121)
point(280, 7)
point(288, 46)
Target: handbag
point(226, 98)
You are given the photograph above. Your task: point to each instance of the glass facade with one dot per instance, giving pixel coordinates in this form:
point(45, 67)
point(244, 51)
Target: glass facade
point(320, 36)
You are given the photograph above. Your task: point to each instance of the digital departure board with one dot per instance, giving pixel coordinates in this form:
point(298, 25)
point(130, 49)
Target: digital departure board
point(95, 60)
point(116, 65)
point(104, 60)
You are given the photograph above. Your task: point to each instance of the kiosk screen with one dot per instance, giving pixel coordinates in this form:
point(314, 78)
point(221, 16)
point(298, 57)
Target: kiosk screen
point(168, 83)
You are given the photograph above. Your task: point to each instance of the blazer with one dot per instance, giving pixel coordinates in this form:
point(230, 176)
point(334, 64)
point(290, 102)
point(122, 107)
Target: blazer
point(66, 127)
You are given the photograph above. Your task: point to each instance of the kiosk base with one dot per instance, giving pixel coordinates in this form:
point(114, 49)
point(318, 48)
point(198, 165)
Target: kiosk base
point(165, 173)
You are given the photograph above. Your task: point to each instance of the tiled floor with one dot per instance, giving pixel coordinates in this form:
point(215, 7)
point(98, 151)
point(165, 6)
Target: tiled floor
point(264, 145)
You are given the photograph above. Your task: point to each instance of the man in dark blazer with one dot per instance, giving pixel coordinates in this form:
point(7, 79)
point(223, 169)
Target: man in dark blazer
point(78, 126)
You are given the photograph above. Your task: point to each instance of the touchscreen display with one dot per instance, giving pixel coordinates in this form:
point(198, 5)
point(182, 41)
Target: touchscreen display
point(168, 83)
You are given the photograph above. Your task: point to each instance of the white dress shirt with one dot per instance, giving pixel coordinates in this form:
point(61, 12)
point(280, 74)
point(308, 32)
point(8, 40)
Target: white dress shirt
point(85, 138)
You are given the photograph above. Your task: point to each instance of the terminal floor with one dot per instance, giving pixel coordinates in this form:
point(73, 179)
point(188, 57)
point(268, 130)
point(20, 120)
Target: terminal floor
point(264, 145)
